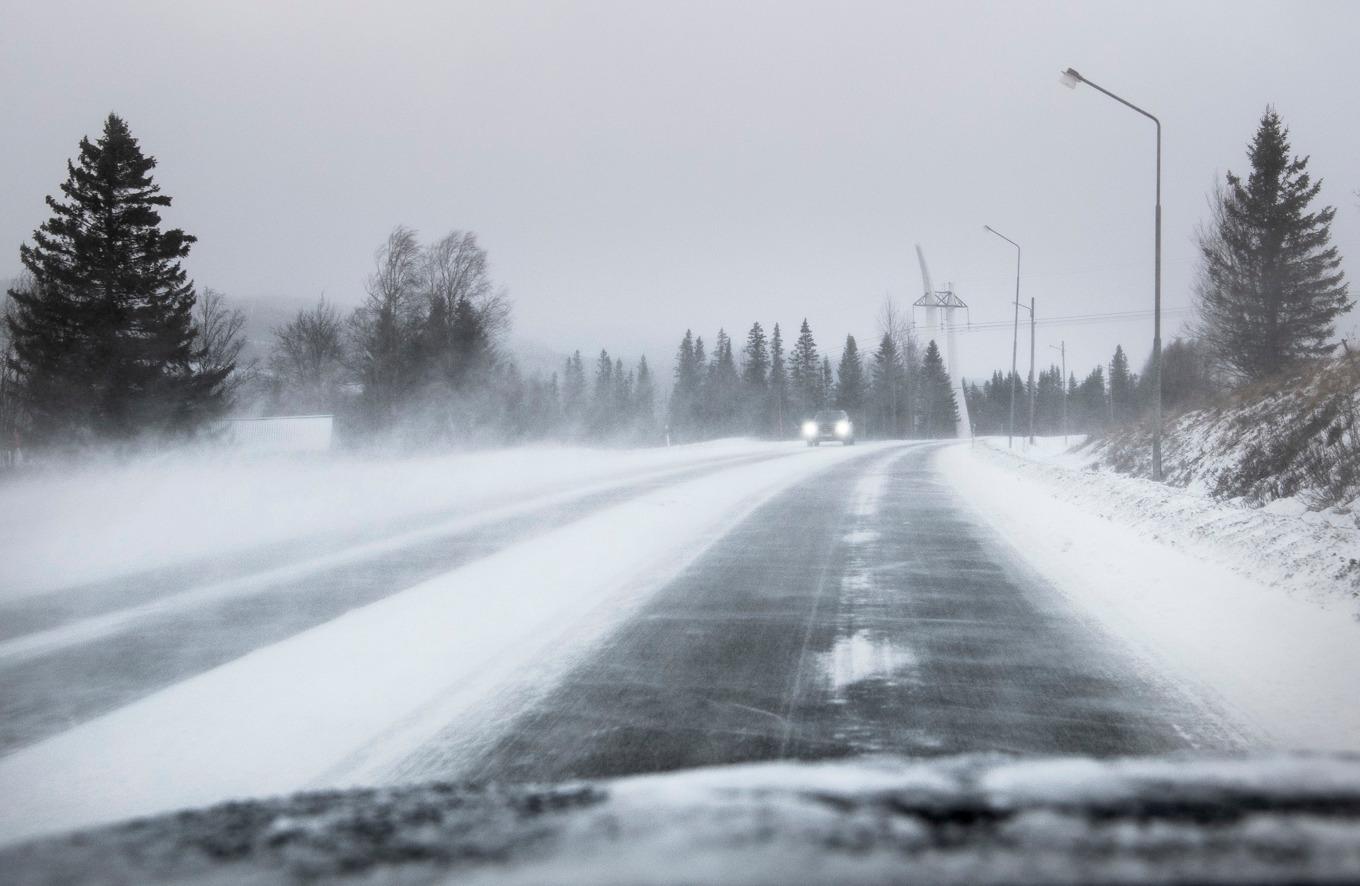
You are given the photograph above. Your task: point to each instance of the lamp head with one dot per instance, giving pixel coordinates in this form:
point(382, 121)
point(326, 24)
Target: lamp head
point(1069, 78)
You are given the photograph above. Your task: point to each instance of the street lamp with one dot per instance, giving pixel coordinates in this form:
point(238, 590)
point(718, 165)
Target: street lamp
point(1015, 334)
point(1070, 78)
point(1032, 386)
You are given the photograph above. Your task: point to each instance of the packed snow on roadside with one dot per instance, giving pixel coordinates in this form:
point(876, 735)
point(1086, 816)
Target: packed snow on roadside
point(1308, 553)
point(1254, 609)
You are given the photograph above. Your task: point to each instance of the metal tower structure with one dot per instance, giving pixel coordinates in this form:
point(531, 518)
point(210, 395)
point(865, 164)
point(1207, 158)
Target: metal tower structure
point(942, 304)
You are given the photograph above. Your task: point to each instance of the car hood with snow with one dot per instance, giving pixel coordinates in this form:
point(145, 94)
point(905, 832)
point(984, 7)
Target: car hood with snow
point(965, 819)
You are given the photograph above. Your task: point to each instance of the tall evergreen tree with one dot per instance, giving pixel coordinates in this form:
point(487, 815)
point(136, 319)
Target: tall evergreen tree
point(826, 390)
point(805, 373)
point(644, 402)
point(723, 388)
point(104, 344)
point(1271, 286)
point(940, 410)
point(850, 385)
point(685, 392)
point(603, 407)
point(755, 378)
point(1122, 387)
point(1089, 404)
point(780, 417)
point(623, 393)
point(889, 388)
point(574, 393)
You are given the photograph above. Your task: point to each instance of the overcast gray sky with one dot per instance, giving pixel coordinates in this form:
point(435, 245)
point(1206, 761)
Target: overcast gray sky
point(637, 168)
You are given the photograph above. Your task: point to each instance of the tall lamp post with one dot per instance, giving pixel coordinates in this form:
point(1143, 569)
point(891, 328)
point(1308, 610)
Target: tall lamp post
point(1063, 386)
point(1015, 334)
point(1030, 308)
point(1070, 78)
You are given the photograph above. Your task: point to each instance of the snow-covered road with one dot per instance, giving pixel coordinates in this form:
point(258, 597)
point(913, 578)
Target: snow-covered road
point(545, 615)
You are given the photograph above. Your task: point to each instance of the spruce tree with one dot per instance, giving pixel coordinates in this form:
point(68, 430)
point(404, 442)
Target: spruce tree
point(1122, 387)
point(574, 393)
point(701, 417)
point(755, 380)
point(1090, 403)
point(1271, 286)
point(805, 372)
point(602, 405)
point(889, 387)
point(723, 387)
point(850, 390)
point(779, 385)
point(685, 392)
point(104, 344)
point(940, 408)
point(756, 359)
point(644, 402)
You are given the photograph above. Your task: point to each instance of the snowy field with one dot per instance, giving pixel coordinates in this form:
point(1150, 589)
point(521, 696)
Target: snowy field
point(1253, 606)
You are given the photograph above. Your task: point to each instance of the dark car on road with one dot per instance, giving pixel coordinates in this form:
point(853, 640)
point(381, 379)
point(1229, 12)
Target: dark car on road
point(829, 425)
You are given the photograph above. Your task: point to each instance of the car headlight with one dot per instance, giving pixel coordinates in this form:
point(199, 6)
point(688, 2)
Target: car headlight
point(842, 428)
point(809, 429)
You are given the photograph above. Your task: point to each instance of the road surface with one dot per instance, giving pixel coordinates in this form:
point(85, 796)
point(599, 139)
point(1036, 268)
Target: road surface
point(849, 604)
point(861, 612)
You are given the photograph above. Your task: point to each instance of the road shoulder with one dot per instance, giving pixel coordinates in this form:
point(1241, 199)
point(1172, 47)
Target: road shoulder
point(1284, 663)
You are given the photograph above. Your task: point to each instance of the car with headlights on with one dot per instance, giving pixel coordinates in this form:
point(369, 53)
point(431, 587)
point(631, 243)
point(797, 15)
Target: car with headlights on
point(829, 425)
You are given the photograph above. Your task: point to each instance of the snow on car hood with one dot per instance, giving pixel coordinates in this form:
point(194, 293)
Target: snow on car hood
point(973, 819)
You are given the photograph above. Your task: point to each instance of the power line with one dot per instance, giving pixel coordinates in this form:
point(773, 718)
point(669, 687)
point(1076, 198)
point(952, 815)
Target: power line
point(1067, 320)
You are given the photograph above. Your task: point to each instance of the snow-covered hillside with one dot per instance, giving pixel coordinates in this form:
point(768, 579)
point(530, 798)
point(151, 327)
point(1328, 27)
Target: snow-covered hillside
point(1294, 441)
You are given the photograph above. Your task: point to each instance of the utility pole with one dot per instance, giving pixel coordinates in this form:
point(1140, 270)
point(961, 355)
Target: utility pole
point(1015, 332)
point(1031, 371)
point(1062, 386)
point(1030, 308)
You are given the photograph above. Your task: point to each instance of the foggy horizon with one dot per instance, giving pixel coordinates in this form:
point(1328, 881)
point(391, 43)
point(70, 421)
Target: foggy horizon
point(634, 171)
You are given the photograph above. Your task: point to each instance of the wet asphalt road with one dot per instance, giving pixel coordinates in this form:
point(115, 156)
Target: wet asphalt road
point(864, 611)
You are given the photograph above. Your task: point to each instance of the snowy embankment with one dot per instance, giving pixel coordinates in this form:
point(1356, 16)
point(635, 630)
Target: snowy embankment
point(1253, 608)
point(1290, 443)
point(342, 702)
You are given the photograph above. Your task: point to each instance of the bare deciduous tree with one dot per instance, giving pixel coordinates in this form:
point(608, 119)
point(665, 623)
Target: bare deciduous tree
point(383, 329)
point(218, 330)
point(308, 359)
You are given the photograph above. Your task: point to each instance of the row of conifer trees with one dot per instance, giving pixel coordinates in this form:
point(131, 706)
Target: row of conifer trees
point(767, 389)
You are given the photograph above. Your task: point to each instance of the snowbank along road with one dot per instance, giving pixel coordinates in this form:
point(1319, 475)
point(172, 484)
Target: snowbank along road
point(716, 605)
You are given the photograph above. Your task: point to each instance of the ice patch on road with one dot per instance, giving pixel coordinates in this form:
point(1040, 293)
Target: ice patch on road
point(865, 655)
